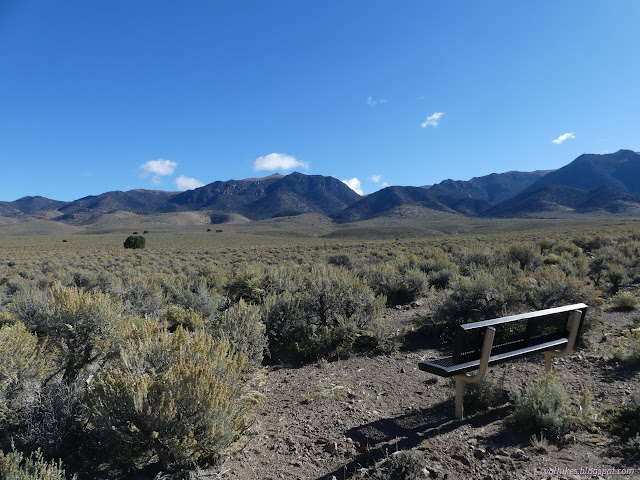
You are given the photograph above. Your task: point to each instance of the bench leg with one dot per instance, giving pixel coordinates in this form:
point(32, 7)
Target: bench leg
point(459, 396)
point(487, 343)
point(573, 325)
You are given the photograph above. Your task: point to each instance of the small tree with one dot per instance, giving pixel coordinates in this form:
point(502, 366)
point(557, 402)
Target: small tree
point(134, 241)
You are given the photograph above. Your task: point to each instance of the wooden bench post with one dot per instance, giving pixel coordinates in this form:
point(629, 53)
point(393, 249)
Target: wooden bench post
point(487, 343)
point(573, 324)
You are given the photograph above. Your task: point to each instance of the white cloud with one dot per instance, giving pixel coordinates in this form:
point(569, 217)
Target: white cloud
point(384, 185)
point(563, 137)
point(187, 183)
point(432, 120)
point(375, 178)
point(372, 102)
point(278, 161)
point(354, 184)
point(160, 167)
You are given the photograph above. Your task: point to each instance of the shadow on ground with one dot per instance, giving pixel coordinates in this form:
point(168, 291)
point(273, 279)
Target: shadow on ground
point(377, 439)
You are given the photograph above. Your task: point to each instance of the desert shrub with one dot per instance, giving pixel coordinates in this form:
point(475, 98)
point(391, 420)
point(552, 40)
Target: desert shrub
point(180, 396)
point(24, 366)
point(213, 276)
point(591, 243)
point(135, 241)
point(478, 297)
point(524, 254)
point(478, 257)
point(625, 301)
point(29, 305)
point(627, 349)
point(52, 420)
point(616, 276)
point(75, 323)
point(193, 294)
point(483, 395)
point(440, 270)
point(401, 465)
point(187, 318)
point(549, 287)
point(246, 284)
point(15, 466)
point(140, 296)
point(442, 279)
point(398, 287)
point(327, 316)
point(242, 325)
point(340, 260)
point(542, 405)
point(624, 422)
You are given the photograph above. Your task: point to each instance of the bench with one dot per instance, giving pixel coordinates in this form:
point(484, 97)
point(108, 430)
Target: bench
point(480, 344)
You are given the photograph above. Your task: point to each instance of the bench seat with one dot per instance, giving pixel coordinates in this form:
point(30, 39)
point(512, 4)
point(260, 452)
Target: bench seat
point(445, 367)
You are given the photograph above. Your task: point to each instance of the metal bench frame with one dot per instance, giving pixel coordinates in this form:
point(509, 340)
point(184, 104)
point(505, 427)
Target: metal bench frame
point(566, 320)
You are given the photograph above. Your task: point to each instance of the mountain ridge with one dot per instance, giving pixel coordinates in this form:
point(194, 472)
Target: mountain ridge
point(590, 184)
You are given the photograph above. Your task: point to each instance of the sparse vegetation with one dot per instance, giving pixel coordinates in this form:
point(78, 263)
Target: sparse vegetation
point(624, 422)
point(401, 465)
point(15, 466)
point(543, 406)
point(100, 348)
point(624, 300)
point(627, 348)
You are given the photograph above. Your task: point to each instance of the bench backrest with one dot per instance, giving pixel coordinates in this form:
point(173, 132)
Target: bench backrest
point(514, 332)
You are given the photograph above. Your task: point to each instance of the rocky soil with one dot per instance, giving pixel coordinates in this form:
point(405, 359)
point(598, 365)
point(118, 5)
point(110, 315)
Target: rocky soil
point(329, 419)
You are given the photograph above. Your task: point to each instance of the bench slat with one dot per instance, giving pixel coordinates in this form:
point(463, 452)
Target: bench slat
point(445, 367)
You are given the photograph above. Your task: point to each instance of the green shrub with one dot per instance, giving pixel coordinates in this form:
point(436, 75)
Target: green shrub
point(14, 466)
point(186, 318)
point(242, 325)
point(543, 406)
point(181, 396)
point(483, 395)
point(616, 275)
point(442, 279)
point(24, 366)
point(627, 349)
point(481, 296)
point(77, 323)
point(340, 260)
point(246, 284)
point(625, 301)
point(524, 254)
point(624, 422)
point(134, 241)
point(327, 316)
point(398, 287)
point(549, 287)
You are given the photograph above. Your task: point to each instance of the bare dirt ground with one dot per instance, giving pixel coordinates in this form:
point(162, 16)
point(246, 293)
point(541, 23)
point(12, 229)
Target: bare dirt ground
point(328, 419)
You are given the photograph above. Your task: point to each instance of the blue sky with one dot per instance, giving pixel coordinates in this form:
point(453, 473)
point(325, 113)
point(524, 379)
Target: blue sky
point(113, 95)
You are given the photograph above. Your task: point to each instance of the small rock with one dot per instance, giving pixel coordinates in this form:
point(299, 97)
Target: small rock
point(402, 370)
point(331, 447)
point(433, 471)
point(479, 453)
point(472, 441)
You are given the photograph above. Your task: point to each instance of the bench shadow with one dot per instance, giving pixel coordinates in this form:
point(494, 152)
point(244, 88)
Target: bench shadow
point(379, 438)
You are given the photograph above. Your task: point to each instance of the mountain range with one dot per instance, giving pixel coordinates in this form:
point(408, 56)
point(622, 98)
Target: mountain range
point(606, 184)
